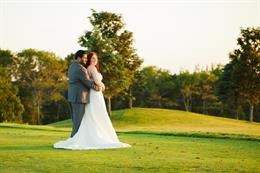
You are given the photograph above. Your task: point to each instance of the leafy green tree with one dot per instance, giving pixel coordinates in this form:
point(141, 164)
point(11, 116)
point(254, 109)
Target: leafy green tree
point(6, 58)
point(228, 92)
point(206, 81)
point(117, 56)
point(41, 77)
point(69, 58)
point(186, 82)
point(11, 108)
point(246, 69)
point(153, 88)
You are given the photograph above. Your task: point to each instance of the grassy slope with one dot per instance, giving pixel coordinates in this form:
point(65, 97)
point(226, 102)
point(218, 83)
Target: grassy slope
point(177, 122)
point(27, 148)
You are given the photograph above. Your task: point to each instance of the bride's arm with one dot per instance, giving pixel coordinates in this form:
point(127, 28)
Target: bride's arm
point(94, 73)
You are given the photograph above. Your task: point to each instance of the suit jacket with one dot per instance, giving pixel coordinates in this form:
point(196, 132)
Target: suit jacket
point(79, 84)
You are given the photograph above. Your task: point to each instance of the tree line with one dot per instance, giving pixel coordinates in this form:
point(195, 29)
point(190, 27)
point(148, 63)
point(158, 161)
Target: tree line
point(33, 83)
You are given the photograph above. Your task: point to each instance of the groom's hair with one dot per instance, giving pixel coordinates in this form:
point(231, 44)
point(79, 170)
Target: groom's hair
point(80, 53)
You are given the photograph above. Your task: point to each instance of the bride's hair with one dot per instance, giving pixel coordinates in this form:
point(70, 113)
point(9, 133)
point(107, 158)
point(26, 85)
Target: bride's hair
point(90, 55)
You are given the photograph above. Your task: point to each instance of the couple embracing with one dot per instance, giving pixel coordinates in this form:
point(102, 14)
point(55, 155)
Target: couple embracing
point(92, 127)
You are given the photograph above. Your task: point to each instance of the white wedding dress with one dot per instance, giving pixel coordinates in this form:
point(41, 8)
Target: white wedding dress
point(96, 130)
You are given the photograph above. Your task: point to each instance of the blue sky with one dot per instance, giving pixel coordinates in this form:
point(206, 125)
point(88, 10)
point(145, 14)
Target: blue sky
point(170, 34)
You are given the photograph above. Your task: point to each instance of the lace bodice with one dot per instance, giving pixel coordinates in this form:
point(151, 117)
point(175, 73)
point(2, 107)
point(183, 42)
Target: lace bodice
point(99, 76)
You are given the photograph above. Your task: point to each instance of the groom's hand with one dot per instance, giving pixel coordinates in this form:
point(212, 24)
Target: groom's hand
point(103, 88)
point(94, 86)
point(97, 88)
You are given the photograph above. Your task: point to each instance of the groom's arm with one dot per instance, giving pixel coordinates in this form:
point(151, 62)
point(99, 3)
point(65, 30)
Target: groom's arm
point(85, 80)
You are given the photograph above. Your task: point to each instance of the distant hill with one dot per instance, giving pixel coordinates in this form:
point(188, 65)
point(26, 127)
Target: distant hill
point(174, 121)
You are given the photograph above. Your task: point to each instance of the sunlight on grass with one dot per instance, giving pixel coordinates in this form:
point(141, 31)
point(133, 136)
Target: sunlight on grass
point(162, 141)
point(30, 150)
point(175, 121)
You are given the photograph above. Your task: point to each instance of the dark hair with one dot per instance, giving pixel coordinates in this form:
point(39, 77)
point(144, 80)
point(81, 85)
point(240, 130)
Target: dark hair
point(80, 53)
point(90, 55)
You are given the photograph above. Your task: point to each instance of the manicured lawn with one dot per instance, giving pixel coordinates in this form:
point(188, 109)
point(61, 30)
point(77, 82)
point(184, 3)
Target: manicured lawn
point(177, 122)
point(164, 148)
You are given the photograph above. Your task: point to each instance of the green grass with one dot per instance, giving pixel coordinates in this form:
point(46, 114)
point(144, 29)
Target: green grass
point(156, 146)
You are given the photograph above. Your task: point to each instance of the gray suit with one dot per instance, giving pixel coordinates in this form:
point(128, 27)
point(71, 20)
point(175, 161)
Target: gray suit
point(78, 93)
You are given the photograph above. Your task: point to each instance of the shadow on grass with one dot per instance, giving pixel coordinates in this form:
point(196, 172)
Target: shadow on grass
point(48, 148)
point(195, 135)
point(198, 135)
point(32, 128)
point(184, 134)
point(24, 148)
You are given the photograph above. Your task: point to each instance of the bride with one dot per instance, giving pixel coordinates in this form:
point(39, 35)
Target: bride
point(96, 130)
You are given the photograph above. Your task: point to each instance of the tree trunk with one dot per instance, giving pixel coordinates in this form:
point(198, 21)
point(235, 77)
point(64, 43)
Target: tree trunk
point(237, 116)
point(190, 105)
point(204, 107)
point(159, 102)
point(251, 116)
point(109, 106)
point(58, 111)
point(186, 106)
point(38, 113)
point(130, 103)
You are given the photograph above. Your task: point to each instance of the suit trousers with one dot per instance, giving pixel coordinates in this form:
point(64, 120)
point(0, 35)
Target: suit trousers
point(78, 110)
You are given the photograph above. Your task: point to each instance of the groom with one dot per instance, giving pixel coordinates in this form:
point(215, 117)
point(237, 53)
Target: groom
point(78, 88)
